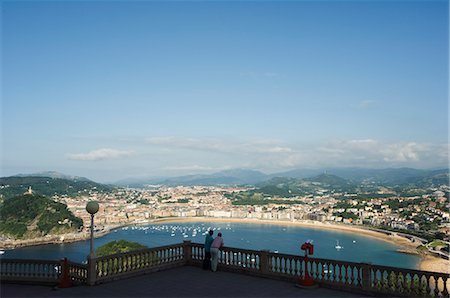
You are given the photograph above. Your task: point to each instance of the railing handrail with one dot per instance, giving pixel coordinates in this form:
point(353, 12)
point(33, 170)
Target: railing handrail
point(24, 261)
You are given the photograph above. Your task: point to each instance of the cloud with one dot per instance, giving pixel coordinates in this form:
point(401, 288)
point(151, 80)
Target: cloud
point(368, 152)
point(366, 104)
point(221, 146)
point(100, 154)
point(195, 168)
point(274, 155)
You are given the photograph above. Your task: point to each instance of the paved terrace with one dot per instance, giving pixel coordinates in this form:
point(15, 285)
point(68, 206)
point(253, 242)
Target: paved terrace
point(186, 281)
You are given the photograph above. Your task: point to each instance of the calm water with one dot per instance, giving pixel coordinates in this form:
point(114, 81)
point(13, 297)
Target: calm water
point(284, 239)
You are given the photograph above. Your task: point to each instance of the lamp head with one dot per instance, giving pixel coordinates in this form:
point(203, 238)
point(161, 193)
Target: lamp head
point(92, 207)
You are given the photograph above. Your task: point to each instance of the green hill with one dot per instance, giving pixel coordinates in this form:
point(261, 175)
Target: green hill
point(29, 216)
point(333, 182)
point(48, 186)
point(118, 246)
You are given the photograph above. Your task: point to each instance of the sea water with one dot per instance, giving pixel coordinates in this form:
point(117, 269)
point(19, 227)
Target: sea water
point(276, 238)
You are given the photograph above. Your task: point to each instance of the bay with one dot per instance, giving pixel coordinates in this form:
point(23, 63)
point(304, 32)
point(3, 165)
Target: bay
point(277, 238)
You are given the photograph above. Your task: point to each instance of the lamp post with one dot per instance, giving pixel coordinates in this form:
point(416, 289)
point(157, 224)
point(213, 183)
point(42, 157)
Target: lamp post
point(92, 208)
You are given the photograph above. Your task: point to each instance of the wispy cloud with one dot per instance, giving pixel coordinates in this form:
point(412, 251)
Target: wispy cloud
point(366, 104)
point(221, 146)
point(268, 154)
point(100, 154)
point(195, 168)
point(368, 152)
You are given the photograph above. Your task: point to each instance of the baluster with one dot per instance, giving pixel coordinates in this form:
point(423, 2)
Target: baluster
point(359, 276)
point(270, 263)
point(408, 283)
point(128, 264)
point(322, 270)
point(315, 270)
point(400, 282)
point(445, 292)
point(384, 280)
point(339, 273)
point(352, 277)
point(346, 274)
point(436, 286)
point(291, 270)
point(427, 288)
point(416, 284)
point(289, 266)
point(335, 269)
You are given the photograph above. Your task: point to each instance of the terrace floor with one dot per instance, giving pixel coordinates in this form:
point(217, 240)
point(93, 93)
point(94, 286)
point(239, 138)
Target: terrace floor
point(186, 281)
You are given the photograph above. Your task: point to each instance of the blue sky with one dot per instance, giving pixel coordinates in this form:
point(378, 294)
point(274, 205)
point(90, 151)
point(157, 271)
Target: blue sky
point(115, 89)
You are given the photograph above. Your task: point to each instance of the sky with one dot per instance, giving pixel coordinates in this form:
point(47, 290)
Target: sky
point(117, 89)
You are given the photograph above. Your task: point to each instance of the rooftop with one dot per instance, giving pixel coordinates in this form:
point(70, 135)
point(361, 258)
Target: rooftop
point(185, 281)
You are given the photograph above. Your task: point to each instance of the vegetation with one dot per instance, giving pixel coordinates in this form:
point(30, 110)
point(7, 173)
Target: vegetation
point(118, 246)
point(256, 198)
point(185, 200)
point(346, 215)
point(47, 186)
point(29, 216)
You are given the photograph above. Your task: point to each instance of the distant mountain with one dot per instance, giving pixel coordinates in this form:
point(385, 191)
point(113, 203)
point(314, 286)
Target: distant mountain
point(53, 174)
point(30, 216)
point(228, 177)
point(47, 186)
point(138, 182)
point(333, 182)
point(382, 177)
point(288, 187)
point(386, 177)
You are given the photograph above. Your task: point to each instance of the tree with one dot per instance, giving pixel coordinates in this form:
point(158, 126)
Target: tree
point(117, 246)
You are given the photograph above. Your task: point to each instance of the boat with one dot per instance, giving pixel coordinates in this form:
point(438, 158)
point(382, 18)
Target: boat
point(2, 252)
point(338, 247)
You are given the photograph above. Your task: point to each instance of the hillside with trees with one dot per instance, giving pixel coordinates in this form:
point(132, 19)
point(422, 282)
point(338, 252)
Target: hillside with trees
point(47, 186)
point(117, 246)
point(30, 216)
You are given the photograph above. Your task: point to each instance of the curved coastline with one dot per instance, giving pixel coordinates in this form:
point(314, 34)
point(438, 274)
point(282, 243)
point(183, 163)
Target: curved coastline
point(426, 263)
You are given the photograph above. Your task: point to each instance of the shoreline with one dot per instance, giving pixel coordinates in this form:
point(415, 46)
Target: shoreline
point(426, 263)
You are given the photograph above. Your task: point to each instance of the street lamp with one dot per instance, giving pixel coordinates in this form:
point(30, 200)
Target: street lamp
point(92, 208)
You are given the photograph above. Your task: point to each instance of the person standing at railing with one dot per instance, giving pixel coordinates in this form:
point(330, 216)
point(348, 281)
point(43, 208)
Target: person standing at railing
point(208, 241)
point(215, 246)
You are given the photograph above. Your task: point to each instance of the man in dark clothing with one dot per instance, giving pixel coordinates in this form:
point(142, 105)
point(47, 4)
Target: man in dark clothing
point(208, 241)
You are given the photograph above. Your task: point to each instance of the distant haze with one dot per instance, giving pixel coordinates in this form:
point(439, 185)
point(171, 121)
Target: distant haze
point(113, 89)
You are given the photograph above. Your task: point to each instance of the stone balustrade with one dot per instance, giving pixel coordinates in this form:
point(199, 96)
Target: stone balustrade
point(123, 265)
point(40, 271)
point(348, 276)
